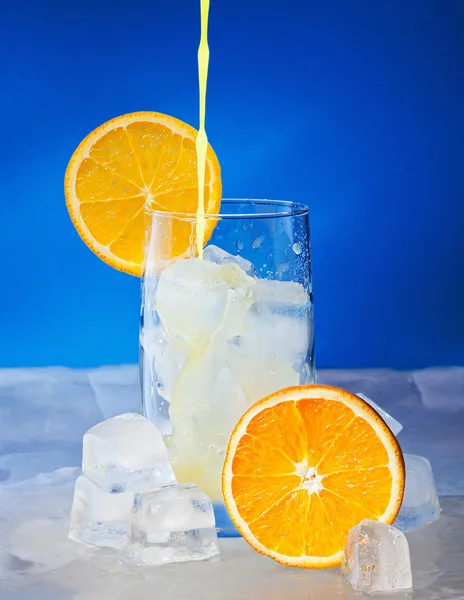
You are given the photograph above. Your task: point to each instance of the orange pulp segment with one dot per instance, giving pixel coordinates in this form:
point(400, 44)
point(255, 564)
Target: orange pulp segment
point(303, 466)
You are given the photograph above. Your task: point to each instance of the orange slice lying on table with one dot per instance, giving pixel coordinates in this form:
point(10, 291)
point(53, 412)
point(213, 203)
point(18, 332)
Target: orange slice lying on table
point(131, 162)
point(303, 466)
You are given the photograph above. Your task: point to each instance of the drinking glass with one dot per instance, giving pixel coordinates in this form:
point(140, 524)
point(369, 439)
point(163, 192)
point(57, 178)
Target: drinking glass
point(222, 331)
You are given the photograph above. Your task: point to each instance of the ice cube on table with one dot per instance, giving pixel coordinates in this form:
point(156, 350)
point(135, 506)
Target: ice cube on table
point(394, 425)
point(98, 517)
point(377, 558)
point(219, 256)
point(126, 454)
point(420, 502)
point(171, 525)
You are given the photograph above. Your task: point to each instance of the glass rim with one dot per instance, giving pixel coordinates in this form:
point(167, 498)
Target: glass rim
point(290, 209)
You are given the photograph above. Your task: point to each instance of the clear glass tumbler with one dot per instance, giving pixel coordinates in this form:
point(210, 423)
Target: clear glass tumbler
point(220, 332)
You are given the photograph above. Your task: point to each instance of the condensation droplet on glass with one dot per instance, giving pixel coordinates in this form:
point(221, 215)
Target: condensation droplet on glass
point(297, 249)
point(240, 245)
point(256, 243)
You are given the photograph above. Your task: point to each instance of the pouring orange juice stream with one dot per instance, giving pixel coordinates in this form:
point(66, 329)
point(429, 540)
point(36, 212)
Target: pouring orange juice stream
point(202, 139)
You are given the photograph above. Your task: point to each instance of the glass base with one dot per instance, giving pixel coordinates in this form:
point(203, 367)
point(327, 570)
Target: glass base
point(225, 527)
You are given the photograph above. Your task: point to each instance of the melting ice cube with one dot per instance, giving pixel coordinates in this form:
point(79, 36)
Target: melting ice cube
point(164, 357)
point(219, 256)
point(392, 423)
point(126, 454)
point(274, 335)
point(195, 297)
point(420, 502)
point(171, 525)
point(99, 518)
point(207, 401)
point(377, 558)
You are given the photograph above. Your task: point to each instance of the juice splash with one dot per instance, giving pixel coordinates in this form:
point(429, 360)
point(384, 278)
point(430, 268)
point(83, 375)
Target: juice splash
point(202, 139)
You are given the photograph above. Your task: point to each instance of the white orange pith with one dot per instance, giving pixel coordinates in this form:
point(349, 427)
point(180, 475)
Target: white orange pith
point(138, 160)
point(303, 466)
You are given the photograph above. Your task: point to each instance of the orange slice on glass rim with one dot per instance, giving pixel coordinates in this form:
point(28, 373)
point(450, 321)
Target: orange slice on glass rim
point(305, 465)
point(138, 160)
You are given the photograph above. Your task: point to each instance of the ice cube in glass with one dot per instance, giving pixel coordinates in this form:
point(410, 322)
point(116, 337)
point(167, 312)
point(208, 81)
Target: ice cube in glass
point(377, 558)
point(98, 517)
point(171, 525)
point(394, 425)
point(420, 502)
point(219, 256)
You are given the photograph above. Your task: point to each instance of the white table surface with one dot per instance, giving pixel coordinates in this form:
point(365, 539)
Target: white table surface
point(43, 415)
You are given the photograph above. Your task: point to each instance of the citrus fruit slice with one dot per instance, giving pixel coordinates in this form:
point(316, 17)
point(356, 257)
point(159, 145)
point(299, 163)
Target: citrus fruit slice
point(138, 160)
point(303, 466)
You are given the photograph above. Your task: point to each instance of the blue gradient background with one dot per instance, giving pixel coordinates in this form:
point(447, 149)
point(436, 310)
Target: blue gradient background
point(354, 107)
